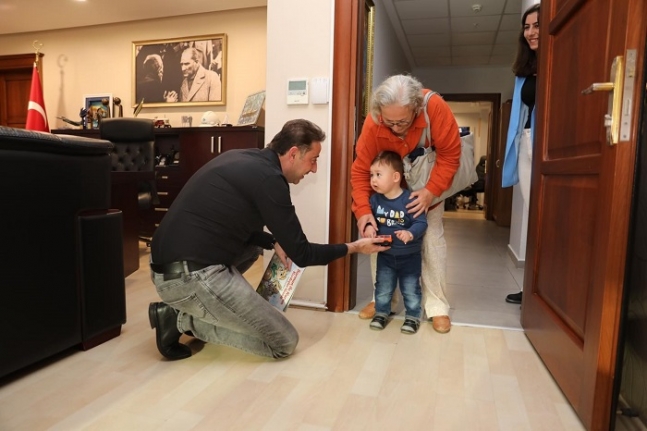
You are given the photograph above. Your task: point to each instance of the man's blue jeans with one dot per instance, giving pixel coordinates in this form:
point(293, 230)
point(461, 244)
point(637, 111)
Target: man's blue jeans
point(219, 306)
point(405, 270)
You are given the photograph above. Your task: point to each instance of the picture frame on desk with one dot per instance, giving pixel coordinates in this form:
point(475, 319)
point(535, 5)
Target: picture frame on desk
point(94, 103)
point(157, 72)
point(252, 110)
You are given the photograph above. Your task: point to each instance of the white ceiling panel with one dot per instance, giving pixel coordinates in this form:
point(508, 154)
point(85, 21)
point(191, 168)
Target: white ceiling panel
point(441, 39)
point(435, 62)
point(469, 50)
point(477, 38)
point(470, 61)
point(510, 22)
point(513, 7)
point(432, 51)
point(421, 9)
point(425, 26)
point(477, 23)
point(469, 7)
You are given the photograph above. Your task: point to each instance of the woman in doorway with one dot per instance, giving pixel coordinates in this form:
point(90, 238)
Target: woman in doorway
point(396, 123)
point(517, 163)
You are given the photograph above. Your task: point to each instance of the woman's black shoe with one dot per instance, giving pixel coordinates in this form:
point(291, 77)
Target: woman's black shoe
point(163, 319)
point(514, 298)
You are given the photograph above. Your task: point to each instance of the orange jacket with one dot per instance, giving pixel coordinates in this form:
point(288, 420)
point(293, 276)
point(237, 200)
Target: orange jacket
point(376, 137)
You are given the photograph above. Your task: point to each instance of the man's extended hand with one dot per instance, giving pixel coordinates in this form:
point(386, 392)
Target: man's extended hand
point(420, 202)
point(366, 246)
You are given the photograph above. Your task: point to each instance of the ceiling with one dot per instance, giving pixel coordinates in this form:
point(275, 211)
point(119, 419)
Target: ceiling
point(432, 33)
point(21, 16)
point(468, 33)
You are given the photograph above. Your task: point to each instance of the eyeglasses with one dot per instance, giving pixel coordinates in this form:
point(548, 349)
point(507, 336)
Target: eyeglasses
point(399, 123)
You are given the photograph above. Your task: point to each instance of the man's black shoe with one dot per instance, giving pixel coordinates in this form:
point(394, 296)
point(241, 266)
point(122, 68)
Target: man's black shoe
point(514, 298)
point(163, 319)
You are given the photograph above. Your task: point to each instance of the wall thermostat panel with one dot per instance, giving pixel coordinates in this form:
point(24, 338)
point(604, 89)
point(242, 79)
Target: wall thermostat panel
point(298, 91)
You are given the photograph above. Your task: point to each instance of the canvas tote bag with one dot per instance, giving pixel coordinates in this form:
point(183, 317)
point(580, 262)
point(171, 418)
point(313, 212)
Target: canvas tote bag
point(417, 173)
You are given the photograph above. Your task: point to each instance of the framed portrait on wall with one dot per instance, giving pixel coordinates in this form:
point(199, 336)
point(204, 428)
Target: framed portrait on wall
point(186, 71)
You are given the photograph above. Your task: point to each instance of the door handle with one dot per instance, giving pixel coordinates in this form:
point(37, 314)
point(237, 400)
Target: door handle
point(497, 163)
point(614, 111)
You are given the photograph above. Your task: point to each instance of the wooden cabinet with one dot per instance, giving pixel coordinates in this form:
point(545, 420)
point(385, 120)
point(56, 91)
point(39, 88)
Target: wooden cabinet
point(202, 144)
point(179, 153)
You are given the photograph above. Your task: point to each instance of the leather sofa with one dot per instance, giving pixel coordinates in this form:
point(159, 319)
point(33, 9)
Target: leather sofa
point(62, 282)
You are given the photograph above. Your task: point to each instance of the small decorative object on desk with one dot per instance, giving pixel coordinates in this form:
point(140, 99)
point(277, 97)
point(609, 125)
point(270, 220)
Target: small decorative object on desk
point(138, 108)
point(117, 109)
point(162, 123)
point(187, 120)
point(252, 110)
point(97, 105)
point(278, 283)
point(90, 120)
point(83, 113)
point(209, 119)
point(106, 108)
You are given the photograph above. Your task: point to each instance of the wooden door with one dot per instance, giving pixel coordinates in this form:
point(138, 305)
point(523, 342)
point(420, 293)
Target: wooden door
point(502, 197)
point(580, 197)
point(15, 85)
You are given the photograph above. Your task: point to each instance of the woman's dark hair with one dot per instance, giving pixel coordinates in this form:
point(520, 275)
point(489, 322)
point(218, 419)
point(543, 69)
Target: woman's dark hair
point(526, 61)
point(296, 133)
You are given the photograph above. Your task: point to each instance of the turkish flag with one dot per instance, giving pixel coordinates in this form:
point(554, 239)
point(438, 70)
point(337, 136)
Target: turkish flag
point(36, 115)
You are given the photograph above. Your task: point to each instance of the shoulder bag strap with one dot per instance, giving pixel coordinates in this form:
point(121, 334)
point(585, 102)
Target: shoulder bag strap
point(426, 134)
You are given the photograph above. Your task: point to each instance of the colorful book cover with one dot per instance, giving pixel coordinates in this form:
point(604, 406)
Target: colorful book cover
point(278, 283)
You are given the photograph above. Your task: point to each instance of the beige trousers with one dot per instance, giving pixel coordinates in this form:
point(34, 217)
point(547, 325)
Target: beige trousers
point(434, 266)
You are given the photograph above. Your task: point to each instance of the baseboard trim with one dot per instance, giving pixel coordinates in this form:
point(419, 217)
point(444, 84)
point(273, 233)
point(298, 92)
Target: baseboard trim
point(518, 263)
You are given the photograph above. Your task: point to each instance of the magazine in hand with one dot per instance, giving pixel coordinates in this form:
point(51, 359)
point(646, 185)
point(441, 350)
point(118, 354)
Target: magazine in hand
point(278, 282)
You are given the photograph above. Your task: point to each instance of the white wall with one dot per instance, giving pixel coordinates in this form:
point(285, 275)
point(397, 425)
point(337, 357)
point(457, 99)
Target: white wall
point(486, 79)
point(388, 57)
point(302, 48)
point(479, 126)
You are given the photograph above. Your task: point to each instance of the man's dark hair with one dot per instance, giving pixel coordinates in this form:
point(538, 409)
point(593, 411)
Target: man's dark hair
point(389, 158)
point(526, 62)
point(296, 133)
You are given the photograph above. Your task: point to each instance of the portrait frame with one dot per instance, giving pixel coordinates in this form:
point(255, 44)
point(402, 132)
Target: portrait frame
point(92, 102)
point(169, 88)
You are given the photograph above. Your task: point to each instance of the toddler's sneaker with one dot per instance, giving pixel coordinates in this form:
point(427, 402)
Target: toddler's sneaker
point(379, 322)
point(410, 326)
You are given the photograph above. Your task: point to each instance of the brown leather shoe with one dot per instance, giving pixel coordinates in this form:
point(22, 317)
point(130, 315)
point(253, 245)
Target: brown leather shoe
point(441, 324)
point(368, 312)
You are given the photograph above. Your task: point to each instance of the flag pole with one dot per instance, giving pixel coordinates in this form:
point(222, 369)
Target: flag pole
point(36, 116)
point(37, 46)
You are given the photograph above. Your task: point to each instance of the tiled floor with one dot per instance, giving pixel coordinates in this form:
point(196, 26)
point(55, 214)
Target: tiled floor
point(479, 273)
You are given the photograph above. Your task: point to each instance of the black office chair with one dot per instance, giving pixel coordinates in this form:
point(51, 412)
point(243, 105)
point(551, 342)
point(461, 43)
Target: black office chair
point(478, 187)
point(134, 151)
